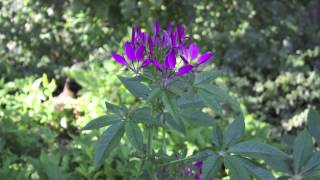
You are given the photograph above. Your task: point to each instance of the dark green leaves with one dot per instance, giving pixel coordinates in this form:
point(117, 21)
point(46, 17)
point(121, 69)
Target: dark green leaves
point(313, 162)
point(135, 87)
point(206, 76)
point(255, 170)
point(107, 142)
point(102, 122)
point(217, 135)
point(210, 100)
point(171, 106)
point(197, 117)
point(302, 150)
point(211, 165)
point(134, 135)
point(234, 132)
point(314, 124)
point(257, 148)
point(237, 171)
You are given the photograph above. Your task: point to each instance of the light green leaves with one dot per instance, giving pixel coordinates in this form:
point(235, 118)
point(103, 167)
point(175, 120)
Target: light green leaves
point(314, 124)
point(107, 142)
point(234, 132)
point(135, 87)
point(134, 135)
point(103, 121)
point(256, 148)
point(302, 150)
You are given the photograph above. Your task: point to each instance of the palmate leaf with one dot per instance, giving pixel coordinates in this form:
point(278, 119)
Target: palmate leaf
point(197, 117)
point(312, 163)
point(143, 115)
point(103, 121)
point(113, 108)
point(236, 170)
point(134, 135)
point(234, 132)
point(205, 76)
point(254, 148)
point(210, 100)
point(211, 165)
point(107, 142)
point(302, 150)
point(135, 87)
point(171, 106)
point(217, 136)
point(314, 124)
point(177, 125)
point(257, 171)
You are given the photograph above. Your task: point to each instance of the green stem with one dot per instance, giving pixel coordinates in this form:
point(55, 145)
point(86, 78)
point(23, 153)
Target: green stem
point(150, 133)
point(164, 146)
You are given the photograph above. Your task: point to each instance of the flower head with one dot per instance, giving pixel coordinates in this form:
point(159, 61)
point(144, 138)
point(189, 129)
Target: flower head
point(169, 51)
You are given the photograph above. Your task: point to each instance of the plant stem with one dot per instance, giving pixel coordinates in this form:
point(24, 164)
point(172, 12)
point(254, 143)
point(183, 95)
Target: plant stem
point(150, 133)
point(164, 148)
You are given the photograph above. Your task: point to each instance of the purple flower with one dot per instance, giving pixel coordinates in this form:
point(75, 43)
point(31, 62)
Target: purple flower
point(168, 51)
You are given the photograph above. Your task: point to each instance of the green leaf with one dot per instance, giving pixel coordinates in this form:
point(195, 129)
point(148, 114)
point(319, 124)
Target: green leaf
point(134, 135)
point(154, 94)
point(278, 164)
point(205, 76)
point(113, 108)
point(222, 96)
point(102, 121)
point(313, 175)
point(177, 125)
point(257, 171)
point(302, 150)
point(234, 132)
point(211, 165)
point(107, 142)
point(197, 117)
point(135, 87)
point(210, 100)
point(172, 107)
point(257, 148)
point(312, 163)
point(236, 170)
point(314, 124)
point(217, 136)
point(143, 115)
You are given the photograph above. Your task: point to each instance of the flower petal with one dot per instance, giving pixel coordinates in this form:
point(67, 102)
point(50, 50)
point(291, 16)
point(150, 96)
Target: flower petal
point(120, 59)
point(170, 60)
point(205, 57)
point(146, 62)
point(129, 51)
point(184, 69)
point(156, 27)
point(140, 53)
point(133, 36)
point(181, 32)
point(193, 51)
point(157, 65)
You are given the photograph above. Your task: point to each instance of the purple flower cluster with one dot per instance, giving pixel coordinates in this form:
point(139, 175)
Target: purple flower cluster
point(169, 50)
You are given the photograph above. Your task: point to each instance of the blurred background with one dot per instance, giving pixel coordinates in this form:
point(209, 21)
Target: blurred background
point(56, 72)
